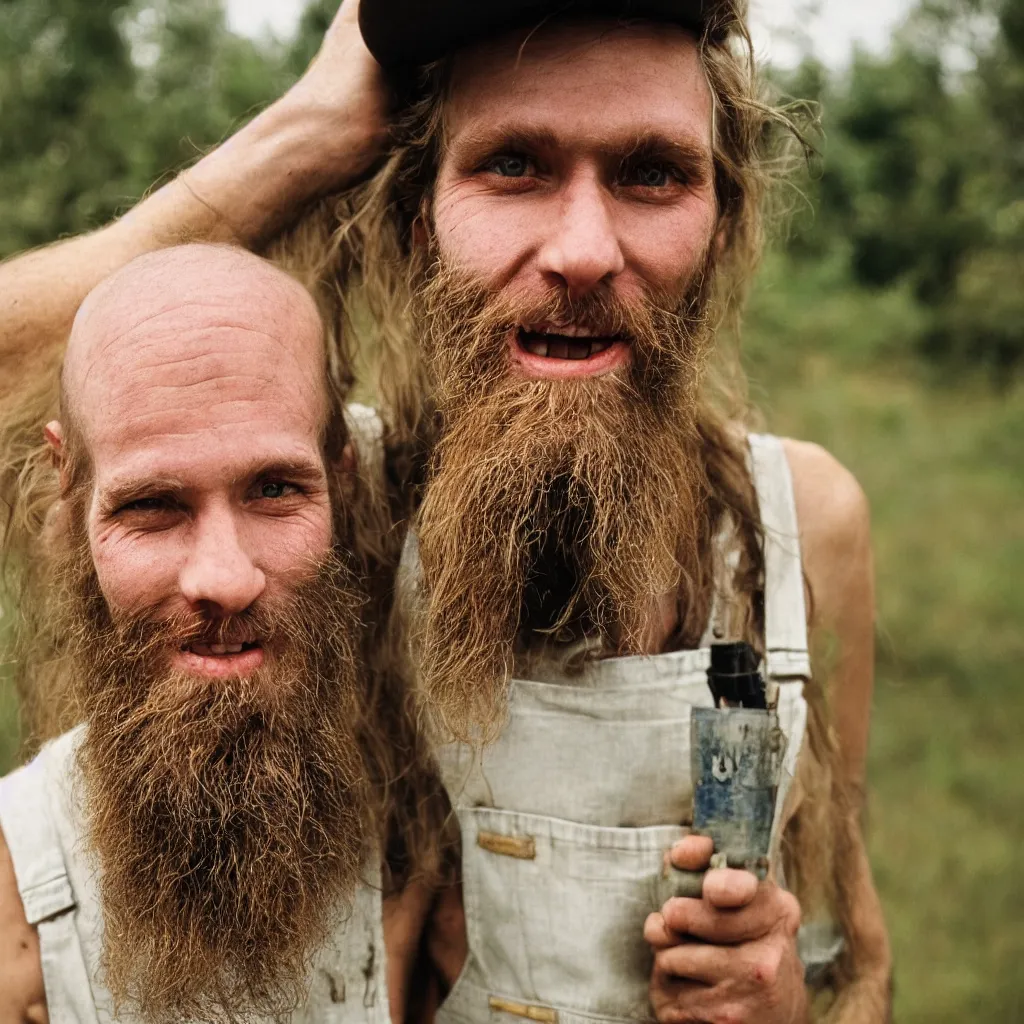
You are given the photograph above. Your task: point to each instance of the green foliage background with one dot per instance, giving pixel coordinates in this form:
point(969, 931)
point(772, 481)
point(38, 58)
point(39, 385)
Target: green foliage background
point(888, 326)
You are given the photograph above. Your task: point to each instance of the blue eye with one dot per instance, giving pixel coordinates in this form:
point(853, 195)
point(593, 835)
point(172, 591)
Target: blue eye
point(145, 505)
point(274, 489)
point(510, 166)
point(647, 175)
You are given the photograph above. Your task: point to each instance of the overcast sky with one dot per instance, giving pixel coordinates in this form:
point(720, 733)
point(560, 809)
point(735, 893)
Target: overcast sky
point(830, 26)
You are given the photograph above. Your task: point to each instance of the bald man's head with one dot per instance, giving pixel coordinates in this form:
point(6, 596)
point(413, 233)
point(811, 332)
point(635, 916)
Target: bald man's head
point(172, 328)
point(194, 391)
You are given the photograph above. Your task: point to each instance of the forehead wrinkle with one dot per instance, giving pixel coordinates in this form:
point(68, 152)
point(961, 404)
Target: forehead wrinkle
point(152, 365)
point(276, 320)
point(211, 341)
point(188, 283)
point(495, 71)
point(147, 427)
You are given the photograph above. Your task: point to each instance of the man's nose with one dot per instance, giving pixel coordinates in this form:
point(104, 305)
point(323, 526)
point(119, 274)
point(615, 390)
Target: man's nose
point(219, 577)
point(582, 250)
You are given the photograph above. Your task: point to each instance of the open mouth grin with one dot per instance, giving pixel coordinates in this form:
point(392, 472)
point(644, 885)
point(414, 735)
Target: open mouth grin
point(219, 660)
point(565, 342)
point(559, 351)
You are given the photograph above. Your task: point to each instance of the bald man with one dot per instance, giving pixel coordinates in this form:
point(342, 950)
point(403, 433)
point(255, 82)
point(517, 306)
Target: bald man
point(201, 845)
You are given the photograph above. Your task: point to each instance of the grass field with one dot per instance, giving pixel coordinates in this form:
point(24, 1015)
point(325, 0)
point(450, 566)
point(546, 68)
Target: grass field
point(943, 464)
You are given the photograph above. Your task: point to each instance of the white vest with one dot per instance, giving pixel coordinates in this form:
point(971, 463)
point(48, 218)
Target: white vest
point(41, 820)
point(566, 818)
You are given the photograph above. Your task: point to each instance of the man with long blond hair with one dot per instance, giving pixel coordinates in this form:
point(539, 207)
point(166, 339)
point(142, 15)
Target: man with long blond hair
point(545, 267)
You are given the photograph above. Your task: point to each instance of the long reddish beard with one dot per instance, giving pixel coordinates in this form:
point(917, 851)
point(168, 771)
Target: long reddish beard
point(551, 504)
point(227, 816)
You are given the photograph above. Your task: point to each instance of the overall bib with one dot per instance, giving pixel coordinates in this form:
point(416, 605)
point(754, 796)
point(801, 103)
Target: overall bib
point(40, 814)
point(565, 819)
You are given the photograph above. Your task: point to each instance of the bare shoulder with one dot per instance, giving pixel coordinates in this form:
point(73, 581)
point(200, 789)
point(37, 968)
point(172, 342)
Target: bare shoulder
point(22, 996)
point(835, 540)
point(832, 508)
point(835, 534)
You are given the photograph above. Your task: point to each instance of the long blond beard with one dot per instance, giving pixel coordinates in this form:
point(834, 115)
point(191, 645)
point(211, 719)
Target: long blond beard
point(551, 503)
point(228, 816)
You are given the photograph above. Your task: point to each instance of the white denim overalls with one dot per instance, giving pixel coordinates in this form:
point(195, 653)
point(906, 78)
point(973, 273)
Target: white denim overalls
point(40, 814)
point(566, 818)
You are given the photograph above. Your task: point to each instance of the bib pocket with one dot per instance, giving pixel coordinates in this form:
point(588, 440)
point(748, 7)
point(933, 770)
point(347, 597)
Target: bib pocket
point(555, 909)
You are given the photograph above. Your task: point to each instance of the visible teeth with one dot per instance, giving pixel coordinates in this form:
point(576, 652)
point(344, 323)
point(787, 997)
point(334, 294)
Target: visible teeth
point(557, 331)
point(566, 331)
point(207, 650)
point(566, 348)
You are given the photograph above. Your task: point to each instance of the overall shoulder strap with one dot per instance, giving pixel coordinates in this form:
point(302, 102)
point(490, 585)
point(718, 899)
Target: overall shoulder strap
point(367, 431)
point(785, 610)
point(33, 840)
point(407, 578)
point(29, 803)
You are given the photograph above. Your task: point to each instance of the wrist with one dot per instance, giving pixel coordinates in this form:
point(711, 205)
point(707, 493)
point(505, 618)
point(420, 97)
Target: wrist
point(253, 184)
point(323, 147)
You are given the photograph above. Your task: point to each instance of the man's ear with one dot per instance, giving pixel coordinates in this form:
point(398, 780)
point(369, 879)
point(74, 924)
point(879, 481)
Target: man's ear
point(53, 432)
point(346, 466)
point(419, 234)
point(420, 226)
point(349, 459)
point(721, 234)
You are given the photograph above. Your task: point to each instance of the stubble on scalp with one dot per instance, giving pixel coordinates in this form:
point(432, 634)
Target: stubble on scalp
point(227, 816)
point(598, 482)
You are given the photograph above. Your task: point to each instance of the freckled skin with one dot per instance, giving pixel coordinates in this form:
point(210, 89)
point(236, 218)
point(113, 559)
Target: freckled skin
point(572, 221)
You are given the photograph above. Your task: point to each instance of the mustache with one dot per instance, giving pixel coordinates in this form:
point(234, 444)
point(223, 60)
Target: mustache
point(269, 621)
point(258, 624)
point(467, 324)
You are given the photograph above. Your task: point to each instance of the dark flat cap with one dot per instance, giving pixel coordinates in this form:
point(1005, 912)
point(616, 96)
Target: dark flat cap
point(404, 33)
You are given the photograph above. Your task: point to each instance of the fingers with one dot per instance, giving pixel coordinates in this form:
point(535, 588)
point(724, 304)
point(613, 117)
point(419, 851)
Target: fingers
point(658, 934)
point(679, 1001)
point(729, 888)
point(694, 961)
point(692, 853)
point(758, 966)
point(771, 908)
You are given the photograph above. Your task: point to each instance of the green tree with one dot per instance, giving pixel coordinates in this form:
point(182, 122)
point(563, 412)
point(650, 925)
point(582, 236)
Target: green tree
point(98, 100)
point(921, 178)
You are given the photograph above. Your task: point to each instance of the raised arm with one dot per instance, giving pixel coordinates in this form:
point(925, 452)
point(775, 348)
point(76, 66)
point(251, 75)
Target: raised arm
point(322, 134)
